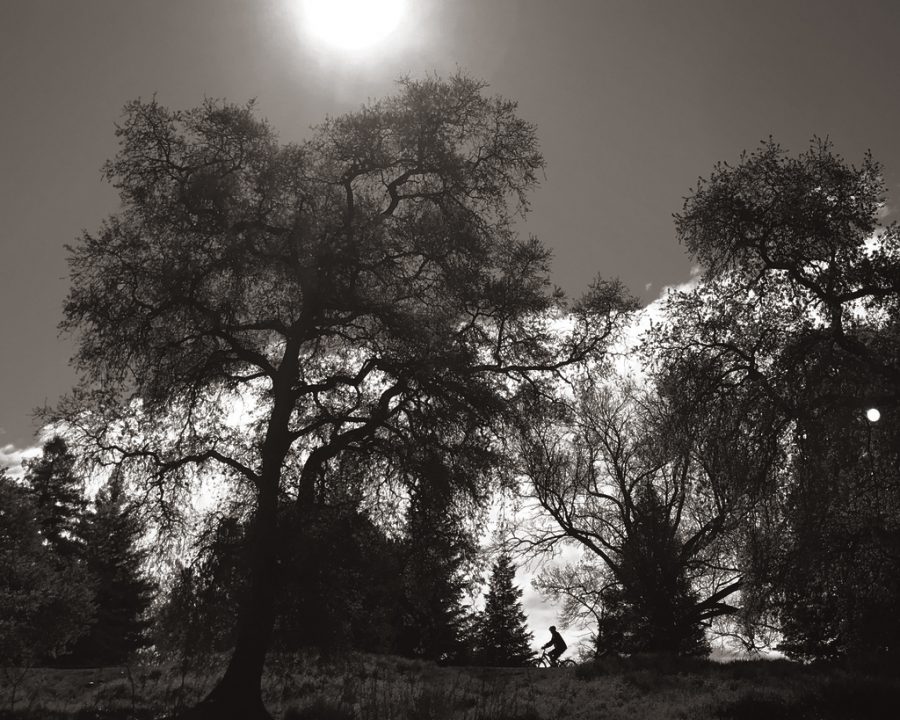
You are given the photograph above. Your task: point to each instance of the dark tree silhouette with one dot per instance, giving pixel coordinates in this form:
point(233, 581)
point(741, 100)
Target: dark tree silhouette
point(655, 506)
point(112, 533)
point(798, 307)
point(503, 636)
point(59, 497)
point(435, 552)
point(331, 289)
point(651, 606)
point(45, 599)
point(341, 582)
point(198, 615)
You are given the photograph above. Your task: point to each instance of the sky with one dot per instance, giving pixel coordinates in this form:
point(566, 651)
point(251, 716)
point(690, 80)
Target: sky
point(633, 101)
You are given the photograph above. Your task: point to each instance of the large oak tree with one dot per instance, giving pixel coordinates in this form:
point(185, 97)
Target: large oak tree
point(257, 309)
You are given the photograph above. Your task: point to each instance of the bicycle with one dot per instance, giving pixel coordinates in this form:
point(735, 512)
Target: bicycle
point(545, 661)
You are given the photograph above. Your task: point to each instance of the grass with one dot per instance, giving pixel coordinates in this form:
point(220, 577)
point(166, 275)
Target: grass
point(365, 687)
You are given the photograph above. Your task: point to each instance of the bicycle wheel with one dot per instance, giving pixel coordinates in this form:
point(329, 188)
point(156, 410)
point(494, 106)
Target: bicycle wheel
point(568, 662)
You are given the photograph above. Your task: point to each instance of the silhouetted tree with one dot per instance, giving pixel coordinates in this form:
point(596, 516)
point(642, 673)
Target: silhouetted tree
point(59, 497)
point(45, 599)
point(341, 582)
point(503, 636)
point(435, 551)
point(655, 506)
point(112, 533)
point(830, 577)
point(328, 286)
point(651, 605)
point(797, 307)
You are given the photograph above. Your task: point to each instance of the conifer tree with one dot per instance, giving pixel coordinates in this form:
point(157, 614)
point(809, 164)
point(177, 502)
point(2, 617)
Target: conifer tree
point(433, 586)
point(58, 495)
point(45, 600)
point(114, 560)
point(505, 640)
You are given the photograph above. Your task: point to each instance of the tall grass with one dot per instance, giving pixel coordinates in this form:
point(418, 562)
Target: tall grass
point(363, 687)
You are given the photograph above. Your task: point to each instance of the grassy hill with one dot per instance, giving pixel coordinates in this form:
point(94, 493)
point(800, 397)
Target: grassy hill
point(362, 687)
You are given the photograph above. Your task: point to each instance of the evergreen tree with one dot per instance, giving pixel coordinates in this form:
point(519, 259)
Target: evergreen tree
point(433, 586)
point(45, 599)
point(504, 638)
point(340, 580)
point(651, 607)
point(58, 496)
point(114, 561)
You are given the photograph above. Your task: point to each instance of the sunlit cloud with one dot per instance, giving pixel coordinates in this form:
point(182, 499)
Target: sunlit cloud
point(12, 457)
point(625, 357)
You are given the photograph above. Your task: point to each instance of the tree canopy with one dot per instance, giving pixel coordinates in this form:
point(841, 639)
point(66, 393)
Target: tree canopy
point(797, 312)
point(256, 310)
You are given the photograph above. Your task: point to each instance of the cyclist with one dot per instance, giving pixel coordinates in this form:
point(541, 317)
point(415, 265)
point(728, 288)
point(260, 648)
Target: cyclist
point(559, 645)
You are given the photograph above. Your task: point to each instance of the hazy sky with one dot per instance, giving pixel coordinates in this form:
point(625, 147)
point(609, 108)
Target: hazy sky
point(633, 101)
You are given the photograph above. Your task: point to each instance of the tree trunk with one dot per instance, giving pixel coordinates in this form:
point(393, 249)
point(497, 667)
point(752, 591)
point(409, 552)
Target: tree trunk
point(238, 695)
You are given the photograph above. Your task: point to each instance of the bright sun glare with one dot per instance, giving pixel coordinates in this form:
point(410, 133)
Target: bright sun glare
point(352, 25)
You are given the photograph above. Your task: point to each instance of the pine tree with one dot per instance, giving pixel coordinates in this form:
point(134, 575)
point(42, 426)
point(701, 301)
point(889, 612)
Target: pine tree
point(505, 640)
point(651, 607)
point(58, 494)
point(433, 586)
point(112, 532)
point(45, 600)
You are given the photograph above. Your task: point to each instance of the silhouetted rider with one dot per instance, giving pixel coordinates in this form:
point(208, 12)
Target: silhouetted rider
point(559, 645)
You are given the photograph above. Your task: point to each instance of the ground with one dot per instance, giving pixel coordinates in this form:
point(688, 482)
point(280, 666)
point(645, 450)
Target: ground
point(361, 687)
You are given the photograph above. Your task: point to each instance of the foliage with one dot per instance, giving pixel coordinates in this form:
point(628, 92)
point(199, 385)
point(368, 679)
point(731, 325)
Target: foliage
point(651, 606)
point(797, 310)
point(58, 496)
point(113, 558)
point(834, 584)
point(339, 290)
point(197, 616)
point(340, 582)
point(45, 599)
point(434, 557)
point(653, 503)
point(503, 637)
point(344, 585)
point(84, 565)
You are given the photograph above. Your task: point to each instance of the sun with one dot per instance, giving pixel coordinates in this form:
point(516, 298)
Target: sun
point(352, 25)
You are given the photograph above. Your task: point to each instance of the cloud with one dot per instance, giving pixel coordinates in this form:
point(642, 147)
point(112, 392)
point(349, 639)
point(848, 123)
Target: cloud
point(626, 362)
point(686, 286)
point(12, 457)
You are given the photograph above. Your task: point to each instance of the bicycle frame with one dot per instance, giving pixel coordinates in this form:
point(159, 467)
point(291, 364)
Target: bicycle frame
point(545, 661)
